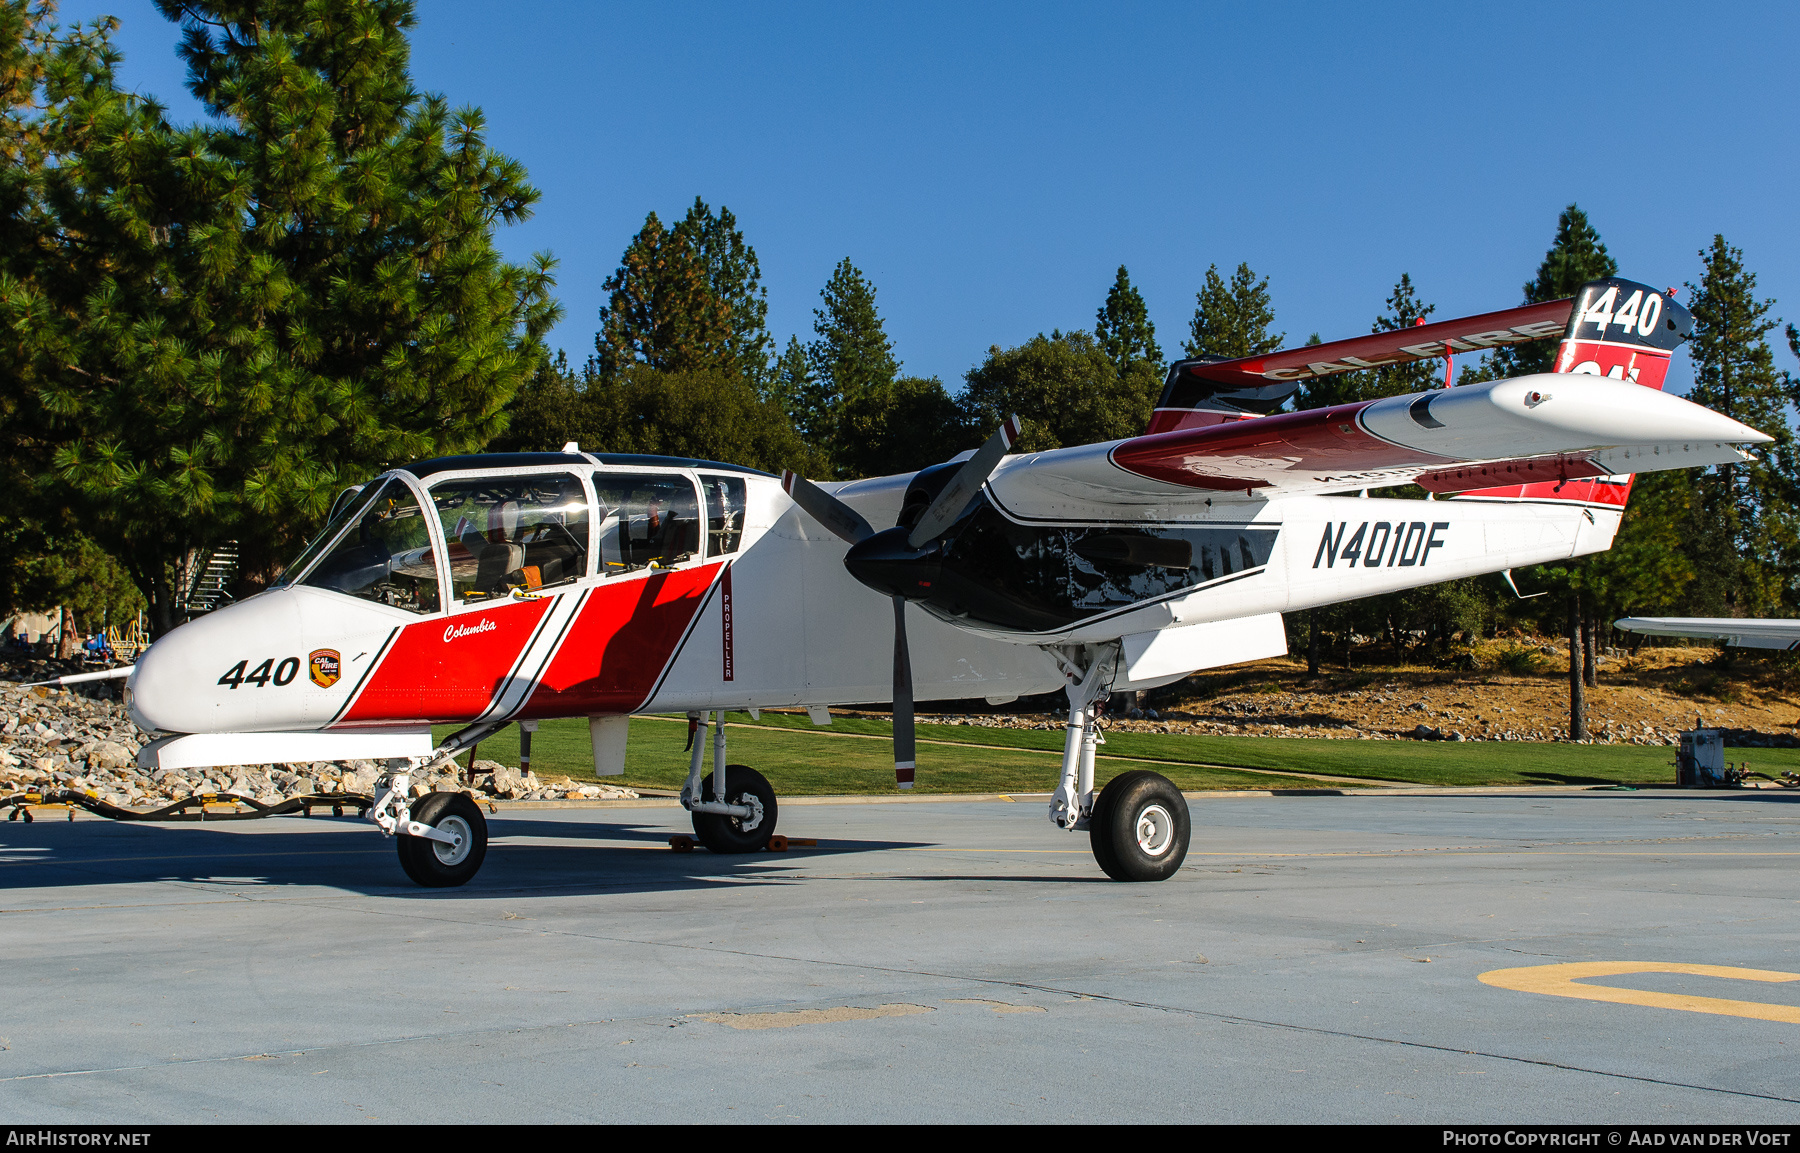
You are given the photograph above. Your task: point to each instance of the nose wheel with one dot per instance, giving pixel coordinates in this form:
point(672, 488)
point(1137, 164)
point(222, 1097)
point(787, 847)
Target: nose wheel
point(1139, 828)
point(443, 864)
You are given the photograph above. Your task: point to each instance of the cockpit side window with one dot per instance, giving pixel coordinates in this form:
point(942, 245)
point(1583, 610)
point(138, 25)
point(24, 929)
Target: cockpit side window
point(645, 520)
point(724, 513)
point(386, 553)
point(513, 532)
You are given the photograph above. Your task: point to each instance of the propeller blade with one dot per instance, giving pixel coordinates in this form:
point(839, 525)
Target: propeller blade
point(962, 488)
point(828, 510)
point(903, 700)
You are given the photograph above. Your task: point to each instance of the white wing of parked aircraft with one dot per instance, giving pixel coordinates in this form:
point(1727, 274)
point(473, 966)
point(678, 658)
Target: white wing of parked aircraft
point(1744, 633)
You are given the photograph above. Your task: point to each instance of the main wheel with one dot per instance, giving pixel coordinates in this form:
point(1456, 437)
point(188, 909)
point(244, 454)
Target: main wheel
point(1139, 828)
point(722, 834)
point(433, 863)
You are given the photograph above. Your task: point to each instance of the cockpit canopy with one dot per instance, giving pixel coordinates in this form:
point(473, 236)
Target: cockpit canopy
point(516, 528)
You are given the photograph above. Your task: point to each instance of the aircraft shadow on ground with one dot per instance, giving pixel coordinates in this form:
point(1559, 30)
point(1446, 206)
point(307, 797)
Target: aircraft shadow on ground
point(359, 860)
point(1612, 790)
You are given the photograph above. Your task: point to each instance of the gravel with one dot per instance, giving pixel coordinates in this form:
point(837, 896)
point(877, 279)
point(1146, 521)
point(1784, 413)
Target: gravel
point(65, 739)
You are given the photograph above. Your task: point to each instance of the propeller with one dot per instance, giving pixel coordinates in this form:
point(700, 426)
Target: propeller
point(954, 500)
point(886, 560)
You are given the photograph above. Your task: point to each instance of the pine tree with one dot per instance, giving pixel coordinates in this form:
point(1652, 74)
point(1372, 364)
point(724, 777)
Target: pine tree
point(1232, 320)
point(662, 311)
point(230, 321)
point(1404, 310)
point(735, 278)
point(853, 351)
point(794, 388)
point(1745, 544)
point(851, 356)
point(1123, 328)
point(1575, 257)
point(1125, 334)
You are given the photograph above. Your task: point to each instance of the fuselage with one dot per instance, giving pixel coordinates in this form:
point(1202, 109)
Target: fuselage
point(527, 586)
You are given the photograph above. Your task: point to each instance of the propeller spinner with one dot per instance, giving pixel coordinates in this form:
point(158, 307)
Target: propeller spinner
point(898, 561)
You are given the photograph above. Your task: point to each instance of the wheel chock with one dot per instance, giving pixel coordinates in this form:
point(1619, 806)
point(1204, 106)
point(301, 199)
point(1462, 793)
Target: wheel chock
point(780, 844)
point(681, 843)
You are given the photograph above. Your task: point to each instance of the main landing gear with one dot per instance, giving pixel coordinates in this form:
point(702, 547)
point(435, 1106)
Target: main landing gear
point(1138, 825)
point(734, 807)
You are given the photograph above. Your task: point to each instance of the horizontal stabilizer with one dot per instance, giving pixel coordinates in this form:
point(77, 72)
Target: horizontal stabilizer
point(1211, 389)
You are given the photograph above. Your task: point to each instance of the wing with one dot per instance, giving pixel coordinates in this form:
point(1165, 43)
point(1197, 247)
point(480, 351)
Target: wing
point(1543, 427)
point(1744, 634)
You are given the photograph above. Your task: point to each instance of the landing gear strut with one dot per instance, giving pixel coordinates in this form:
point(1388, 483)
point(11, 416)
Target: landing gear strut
point(734, 807)
point(442, 837)
point(1138, 825)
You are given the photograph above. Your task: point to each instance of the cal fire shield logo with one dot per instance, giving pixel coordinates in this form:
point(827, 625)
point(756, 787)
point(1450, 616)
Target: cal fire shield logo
point(323, 667)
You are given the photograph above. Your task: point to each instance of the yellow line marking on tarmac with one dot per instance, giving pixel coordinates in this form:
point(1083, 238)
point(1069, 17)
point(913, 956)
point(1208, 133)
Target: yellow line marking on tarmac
point(1559, 981)
point(788, 1018)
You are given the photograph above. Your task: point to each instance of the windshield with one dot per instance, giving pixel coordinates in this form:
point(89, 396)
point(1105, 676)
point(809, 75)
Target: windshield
point(347, 510)
point(385, 555)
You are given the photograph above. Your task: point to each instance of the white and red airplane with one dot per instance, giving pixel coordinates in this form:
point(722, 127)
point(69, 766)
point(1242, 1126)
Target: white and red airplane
point(510, 588)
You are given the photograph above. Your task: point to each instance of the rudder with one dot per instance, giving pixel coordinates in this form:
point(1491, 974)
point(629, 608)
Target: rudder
point(1619, 329)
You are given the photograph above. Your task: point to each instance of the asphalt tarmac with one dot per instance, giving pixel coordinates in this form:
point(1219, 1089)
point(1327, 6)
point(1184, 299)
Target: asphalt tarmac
point(1318, 959)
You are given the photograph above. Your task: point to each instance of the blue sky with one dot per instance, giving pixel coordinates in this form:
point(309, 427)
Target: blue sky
point(989, 166)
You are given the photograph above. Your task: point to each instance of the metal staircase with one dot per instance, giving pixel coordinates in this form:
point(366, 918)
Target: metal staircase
point(211, 580)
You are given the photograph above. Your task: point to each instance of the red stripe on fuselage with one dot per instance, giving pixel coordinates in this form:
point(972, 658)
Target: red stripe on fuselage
point(616, 651)
point(447, 669)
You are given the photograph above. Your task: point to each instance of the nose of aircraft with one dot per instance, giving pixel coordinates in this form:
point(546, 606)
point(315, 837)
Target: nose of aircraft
point(177, 685)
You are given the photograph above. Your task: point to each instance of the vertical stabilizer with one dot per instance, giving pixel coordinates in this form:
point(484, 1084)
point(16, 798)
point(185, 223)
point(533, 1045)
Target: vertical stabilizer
point(1619, 329)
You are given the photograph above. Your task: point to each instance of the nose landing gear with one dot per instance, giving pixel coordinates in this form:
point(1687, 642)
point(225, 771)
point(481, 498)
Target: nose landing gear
point(440, 864)
point(442, 837)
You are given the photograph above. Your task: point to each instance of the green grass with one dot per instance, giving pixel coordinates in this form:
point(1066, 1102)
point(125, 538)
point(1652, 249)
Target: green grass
point(800, 763)
point(800, 759)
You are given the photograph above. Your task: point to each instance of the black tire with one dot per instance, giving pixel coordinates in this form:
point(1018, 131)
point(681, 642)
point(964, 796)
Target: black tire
point(433, 863)
point(1140, 827)
point(723, 834)
point(1099, 841)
